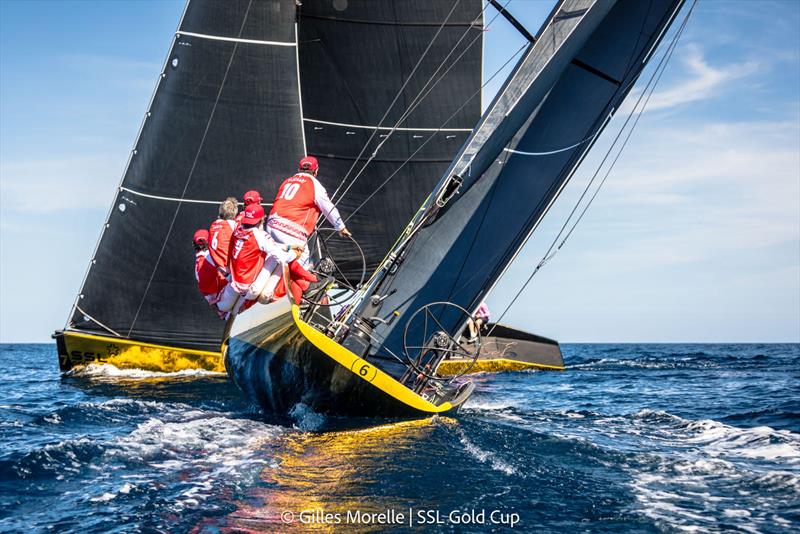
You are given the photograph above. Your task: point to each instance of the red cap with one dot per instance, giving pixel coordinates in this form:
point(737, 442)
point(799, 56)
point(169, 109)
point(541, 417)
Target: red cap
point(252, 197)
point(201, 237)
point(253, 213)
point(308, 163)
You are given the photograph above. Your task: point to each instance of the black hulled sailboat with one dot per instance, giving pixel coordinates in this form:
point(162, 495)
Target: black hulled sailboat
point(249, 87)
point(380, 353)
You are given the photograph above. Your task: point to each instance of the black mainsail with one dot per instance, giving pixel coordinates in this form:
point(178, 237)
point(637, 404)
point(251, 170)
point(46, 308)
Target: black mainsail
point(248, 87)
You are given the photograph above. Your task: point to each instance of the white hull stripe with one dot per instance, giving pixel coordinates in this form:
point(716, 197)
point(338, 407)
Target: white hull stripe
point(176, 199)
point(388, 128)
point(235, 39)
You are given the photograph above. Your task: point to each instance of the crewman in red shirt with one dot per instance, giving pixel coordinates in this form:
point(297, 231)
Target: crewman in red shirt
point(221, 231)
point(249, 198)
point(210, 281)
point(256, 260)
point(296, 209)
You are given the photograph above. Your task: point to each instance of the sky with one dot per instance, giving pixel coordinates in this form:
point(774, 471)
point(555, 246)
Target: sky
point(695, 236)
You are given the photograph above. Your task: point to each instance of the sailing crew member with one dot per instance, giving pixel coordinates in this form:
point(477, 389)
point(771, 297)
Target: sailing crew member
point(210, 280)
point(221, 231)
point(256, 261)
point(297, 206)
point(480, 318)
point(250, 197)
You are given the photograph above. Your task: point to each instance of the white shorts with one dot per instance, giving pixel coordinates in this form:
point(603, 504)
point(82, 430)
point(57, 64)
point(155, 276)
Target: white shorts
point(263, 286)
point(228, 299)
point(286, 239)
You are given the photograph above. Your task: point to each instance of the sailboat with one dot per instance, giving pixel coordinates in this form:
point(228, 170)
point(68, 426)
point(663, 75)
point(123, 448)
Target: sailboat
point(380, 352)
point(247, 88)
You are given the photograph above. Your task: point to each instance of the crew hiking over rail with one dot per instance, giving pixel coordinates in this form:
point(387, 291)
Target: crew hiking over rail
point(238, 262)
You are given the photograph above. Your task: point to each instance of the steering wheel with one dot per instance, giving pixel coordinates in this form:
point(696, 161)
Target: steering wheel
point(332, 250)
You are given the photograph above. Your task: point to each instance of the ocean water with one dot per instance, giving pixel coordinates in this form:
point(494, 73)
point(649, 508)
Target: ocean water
point(631, 438)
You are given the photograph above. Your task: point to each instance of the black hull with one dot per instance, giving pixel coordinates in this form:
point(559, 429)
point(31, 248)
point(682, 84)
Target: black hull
point(277, 366)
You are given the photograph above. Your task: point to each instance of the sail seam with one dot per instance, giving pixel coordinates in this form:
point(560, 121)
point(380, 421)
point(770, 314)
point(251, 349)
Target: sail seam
point(387, 128)
point(178, 199)
point(235, 39)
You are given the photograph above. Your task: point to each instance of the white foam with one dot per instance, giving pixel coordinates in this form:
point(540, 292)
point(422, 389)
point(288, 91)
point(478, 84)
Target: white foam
point(111, 371)
point(487, 457)
point(762, 442)
point(306, 418)
point(215, 447)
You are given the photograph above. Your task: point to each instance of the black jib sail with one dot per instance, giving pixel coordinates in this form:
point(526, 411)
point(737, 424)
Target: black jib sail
point(227, 115)
point(583, 63)
point(414, 65)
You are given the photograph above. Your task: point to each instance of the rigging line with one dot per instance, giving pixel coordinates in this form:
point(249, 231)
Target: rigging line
point(96, 321)
point(659, 67)
point(619, 153)
point(550, 152)
point(420, 96)
point(191, 170)
point(397, 96)
point(408, 159)
point(664, 60)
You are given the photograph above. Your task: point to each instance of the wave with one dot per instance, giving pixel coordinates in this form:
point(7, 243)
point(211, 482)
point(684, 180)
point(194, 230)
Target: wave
point(673, 357)
point(306, 418)
point(487, 457)
point(105, 370)
point(705, 469)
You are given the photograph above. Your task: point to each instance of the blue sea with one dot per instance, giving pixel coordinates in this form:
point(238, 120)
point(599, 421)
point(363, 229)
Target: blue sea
point(631, 438)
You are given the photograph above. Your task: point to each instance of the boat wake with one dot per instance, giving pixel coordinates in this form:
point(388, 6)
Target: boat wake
point(682, 473)
point(133, 454)
point(106, 370)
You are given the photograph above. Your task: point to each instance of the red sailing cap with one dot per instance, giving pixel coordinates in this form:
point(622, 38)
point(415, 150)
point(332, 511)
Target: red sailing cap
point(252, 197)
point(253, 213)
point(308, 163)
point(201, 237)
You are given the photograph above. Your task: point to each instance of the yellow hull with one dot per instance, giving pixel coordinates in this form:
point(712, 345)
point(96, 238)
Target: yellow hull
point(495, 365)
point(76, 348)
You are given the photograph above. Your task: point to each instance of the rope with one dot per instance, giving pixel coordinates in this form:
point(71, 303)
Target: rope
point(96, 321)
point(191, 170)
point(418, 100)
point(650, 86)
point(456, 112)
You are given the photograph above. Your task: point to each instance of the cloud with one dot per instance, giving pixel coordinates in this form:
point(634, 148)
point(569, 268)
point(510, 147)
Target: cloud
point(702, 82)
point(688, 193)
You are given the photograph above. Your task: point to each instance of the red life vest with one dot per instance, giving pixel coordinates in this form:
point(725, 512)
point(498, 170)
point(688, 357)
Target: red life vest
point(220, 240)
point(296, 202)
point(246, 257)
point(210, 281)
